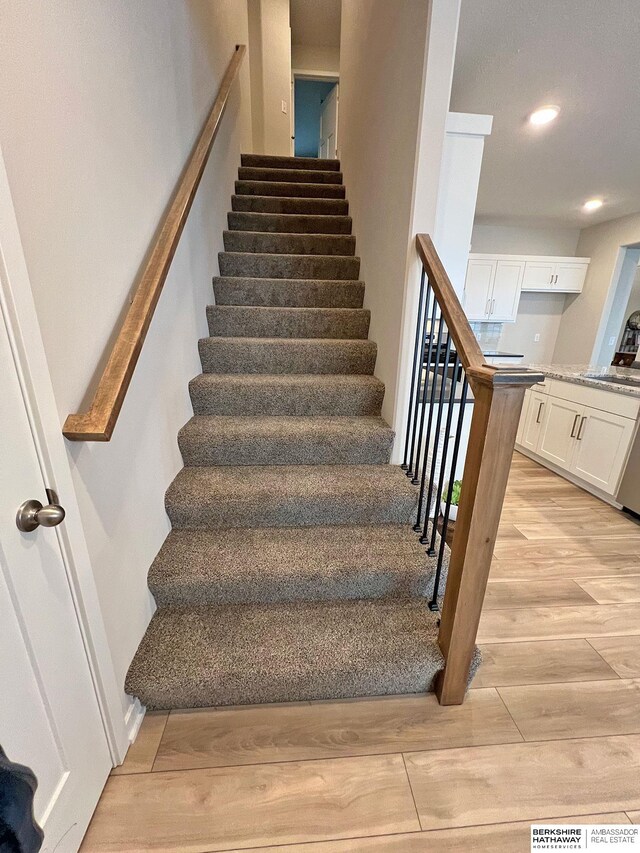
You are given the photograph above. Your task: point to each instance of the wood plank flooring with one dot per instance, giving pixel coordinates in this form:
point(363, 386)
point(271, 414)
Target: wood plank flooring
point(550, 730)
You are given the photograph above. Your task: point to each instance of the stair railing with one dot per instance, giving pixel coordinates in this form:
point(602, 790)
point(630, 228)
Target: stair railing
point(456, 400)
point(97, 424)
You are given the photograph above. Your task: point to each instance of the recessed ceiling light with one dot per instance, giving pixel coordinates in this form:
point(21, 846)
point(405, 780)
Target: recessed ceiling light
point(544, 115)
point(592, 204)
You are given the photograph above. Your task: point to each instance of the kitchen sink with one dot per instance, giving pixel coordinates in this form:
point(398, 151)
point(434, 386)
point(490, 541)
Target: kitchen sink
point(616, 380)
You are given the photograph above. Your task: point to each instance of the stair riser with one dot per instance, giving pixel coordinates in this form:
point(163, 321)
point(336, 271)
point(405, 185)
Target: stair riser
point(285, 400)
point(290, 190)
point(280, 451)
point(250, 588)
point(299, 176)
point(289, 244)
point(293, 293)
point(285, 511)
point(289, 223)
point(303, 206)
point(248, 265)
point(238, 355)
point(251, 322)
point(266, 161)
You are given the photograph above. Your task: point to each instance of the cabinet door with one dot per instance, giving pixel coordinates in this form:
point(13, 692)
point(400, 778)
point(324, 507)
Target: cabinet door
point(569, 278)
point(602, 443)
point(558, 431)
point(505, 296)
point(534, 422)
point(477, 288)
point(538, 275)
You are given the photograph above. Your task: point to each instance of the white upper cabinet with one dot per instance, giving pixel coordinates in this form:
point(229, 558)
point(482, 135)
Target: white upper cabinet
point(507, 284)
point(561, 275)
point(492, 289)
point(538, 275)
point(477, 289)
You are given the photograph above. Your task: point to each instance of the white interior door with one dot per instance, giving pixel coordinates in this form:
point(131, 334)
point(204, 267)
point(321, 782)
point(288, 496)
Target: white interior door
point(49, 715)
point(328, 148)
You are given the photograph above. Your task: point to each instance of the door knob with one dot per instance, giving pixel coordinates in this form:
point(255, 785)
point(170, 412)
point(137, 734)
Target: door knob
point(31, 514)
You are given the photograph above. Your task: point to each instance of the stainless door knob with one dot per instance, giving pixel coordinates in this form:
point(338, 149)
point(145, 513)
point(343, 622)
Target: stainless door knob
point(31, 514)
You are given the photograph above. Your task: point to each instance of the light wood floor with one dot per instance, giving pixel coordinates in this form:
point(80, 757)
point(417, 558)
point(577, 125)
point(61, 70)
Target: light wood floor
point(550, 730)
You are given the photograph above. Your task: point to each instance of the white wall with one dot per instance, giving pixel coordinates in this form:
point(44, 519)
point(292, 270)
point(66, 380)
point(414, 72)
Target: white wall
point(393, 110)
point(270, 47)
point(585, 316)
point(100, 104)
point(314, 58)
point(521, 240)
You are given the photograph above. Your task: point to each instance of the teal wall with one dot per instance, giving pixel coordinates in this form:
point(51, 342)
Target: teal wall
point(309, 95)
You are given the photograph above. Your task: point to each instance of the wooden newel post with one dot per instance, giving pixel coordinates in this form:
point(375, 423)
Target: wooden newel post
point(498, 396)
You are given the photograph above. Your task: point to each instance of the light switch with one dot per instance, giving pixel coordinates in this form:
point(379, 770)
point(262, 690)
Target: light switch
point(612, 342)
point(284, 107)
point(536, 338)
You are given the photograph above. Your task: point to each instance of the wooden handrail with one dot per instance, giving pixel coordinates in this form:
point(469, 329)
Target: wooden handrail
point(467, 346)
point(498, 395)
point(98, 422)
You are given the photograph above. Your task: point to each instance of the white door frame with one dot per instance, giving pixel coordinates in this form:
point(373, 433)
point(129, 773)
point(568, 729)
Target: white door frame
point(120, 719)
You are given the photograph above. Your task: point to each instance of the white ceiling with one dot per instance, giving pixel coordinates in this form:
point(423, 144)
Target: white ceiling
point(315, 22)
point(583, 55)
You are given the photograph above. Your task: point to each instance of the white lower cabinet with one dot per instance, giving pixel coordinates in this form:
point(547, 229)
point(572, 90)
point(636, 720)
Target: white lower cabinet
point(602, 443)
point(588, 442)
point(558, 432)
point(533, 420)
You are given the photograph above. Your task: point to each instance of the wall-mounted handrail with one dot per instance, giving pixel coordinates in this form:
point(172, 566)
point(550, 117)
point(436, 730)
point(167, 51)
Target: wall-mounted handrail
point(98, 422)
point(447, 362)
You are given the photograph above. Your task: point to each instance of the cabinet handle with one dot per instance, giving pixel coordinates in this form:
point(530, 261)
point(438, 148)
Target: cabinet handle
point(493, 306)
point(582, 423)
point(575, 424)
point(550, 279)
point(540, 405)
point(488, 306)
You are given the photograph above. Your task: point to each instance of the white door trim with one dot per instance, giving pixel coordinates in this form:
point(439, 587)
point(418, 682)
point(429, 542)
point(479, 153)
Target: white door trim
point(120, 716)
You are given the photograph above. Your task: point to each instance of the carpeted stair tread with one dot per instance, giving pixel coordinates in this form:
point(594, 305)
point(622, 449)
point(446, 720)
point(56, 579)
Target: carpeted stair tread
point(289, 495)
point(288, 292)
point(290, 189)
point(266, 265)
point(269, 161)
point(285, 440)
point(286, 355)
point(277, 204)
point(301, 176)
point(290, 563)
point(283, 394)
point(244, 654)
point(281, 223)
point(289, 244)
point(266, 322)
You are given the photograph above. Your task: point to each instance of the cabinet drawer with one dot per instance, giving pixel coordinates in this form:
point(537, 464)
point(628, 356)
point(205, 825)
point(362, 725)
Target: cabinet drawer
point(595, 398)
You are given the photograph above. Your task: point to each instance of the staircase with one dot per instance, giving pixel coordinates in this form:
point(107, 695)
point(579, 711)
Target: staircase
point(291, 572)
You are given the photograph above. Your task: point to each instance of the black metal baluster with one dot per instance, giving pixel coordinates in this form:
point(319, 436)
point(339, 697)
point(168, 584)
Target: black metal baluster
point(417, 368)
point(433, 604)
point(445, 449)
point(415, 467)
point(434, 459)
point(436, 361)
point(413, 459)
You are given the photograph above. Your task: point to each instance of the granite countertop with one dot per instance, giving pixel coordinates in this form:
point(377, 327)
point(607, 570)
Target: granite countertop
point(499, 354)
point(596, 377)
